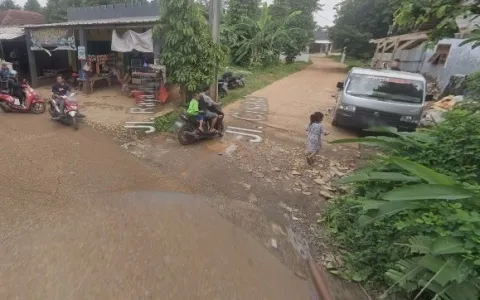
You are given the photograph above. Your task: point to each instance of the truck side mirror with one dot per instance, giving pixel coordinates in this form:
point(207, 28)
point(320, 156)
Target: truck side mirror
point(429, 97)
point(340, 85)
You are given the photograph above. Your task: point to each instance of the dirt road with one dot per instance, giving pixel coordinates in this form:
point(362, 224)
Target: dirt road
point(80, 218)
point(293, 99)
point(258, 169)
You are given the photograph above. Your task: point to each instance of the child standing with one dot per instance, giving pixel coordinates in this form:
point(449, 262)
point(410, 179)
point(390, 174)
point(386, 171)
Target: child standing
point(194, 111)
point(314, 136)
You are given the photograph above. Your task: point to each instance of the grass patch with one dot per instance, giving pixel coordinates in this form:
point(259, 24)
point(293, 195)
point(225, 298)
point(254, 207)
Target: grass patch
point(351, 62)
point(255, 79)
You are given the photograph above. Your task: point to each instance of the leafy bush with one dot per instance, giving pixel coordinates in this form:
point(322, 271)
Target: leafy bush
point(432, 211)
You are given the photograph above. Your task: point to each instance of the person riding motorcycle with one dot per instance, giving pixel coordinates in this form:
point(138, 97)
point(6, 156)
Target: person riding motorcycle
point(209, 107)
point(9, 77)
point(60, 89)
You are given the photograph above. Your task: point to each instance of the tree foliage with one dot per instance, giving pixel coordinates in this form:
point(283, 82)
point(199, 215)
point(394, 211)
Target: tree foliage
point(8, 4)
point(188, 50)
point(305, 21)
point(444, 13)
point(262, 40)
point(412, 14)
point(358, 21)
point(242, 8)
point(32, 5)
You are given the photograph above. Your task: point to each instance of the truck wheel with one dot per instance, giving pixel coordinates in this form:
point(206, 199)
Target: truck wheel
point(334, 121)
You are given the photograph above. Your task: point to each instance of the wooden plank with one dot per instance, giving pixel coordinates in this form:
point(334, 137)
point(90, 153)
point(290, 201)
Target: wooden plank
point(403, 37)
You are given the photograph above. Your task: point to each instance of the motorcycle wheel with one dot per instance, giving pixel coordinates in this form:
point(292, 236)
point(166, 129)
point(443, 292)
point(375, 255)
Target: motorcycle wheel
point(38, 108)
point(183, 137)
point(74, 122)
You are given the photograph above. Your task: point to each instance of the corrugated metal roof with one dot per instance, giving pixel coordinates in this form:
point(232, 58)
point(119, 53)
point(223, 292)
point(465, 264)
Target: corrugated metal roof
point(10, 33)
point(127, 20)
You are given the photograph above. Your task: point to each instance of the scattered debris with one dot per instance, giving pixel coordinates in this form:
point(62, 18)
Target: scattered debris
point(296, 173)
point(277, 229)
point(326, 195)
point(274, 243)
point(258, 175)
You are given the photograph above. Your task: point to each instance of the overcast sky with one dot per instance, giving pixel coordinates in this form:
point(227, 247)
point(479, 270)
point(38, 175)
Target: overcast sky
point(322, 18)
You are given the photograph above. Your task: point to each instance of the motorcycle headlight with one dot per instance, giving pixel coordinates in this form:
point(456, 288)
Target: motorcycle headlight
point(349, 108)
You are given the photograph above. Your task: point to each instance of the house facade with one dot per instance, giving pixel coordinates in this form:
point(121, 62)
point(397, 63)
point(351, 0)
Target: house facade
point(441, 61)
point(322, 43)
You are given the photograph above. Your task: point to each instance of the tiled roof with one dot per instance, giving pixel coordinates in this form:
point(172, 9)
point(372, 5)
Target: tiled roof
point(13, 17)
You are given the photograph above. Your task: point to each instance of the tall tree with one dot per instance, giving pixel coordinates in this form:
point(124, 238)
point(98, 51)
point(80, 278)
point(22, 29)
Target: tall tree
point(235, 11)
point(188, 50)
point(305, 21)
point(358, 21)
point(242, 8)
point(8, 4)
point(32, 5)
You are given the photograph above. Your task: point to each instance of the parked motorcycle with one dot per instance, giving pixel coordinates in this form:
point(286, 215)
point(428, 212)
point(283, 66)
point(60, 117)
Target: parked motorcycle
point(71, 115)
point(222, 88)
point(188, 132)
point(33, 102)
point(232, 81)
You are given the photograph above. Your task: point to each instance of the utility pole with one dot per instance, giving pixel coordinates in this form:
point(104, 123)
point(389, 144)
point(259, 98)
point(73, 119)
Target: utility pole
point(214, 20)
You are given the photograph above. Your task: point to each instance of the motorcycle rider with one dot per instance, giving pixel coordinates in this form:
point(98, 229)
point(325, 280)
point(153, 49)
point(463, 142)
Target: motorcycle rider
point(209, 106)
point(9, 77)
point(60, 89)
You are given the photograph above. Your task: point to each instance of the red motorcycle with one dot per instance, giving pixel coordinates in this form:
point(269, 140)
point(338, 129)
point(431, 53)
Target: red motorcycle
point(71, 115)
point(33, 102)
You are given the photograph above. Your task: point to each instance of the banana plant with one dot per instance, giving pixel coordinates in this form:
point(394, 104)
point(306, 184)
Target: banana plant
point(444, 259)
point(264, 38)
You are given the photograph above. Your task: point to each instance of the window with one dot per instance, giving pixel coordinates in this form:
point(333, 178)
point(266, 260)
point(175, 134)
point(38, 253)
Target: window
point(386, 88)
point(441, 54)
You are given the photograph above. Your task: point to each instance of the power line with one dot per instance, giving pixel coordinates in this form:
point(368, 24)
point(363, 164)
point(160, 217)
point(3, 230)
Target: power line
point(319, 15)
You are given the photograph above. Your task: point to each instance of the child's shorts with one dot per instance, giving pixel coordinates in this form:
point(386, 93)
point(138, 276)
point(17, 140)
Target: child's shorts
point(199, 117)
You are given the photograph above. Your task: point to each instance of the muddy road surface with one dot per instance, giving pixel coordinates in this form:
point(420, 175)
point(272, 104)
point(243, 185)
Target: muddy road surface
point(81, 218)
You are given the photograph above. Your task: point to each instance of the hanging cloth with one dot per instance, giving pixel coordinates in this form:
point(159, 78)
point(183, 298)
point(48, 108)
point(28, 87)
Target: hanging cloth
point(130, 40)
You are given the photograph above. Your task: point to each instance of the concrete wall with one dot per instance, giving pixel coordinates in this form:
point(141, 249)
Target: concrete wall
point(412, 60)
point(462, 60)
point(114, 11)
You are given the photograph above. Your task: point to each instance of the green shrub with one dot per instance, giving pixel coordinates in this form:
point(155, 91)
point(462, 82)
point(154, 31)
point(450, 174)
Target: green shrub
point(418, 207)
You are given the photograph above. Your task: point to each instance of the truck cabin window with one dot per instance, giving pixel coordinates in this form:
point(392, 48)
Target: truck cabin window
point(386, 88)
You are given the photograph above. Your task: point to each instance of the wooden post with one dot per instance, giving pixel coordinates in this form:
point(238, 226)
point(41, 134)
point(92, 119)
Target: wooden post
point(384, 46)
point(395, 48)
point(31, 59)
point(1, 49)
point(82, 36)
